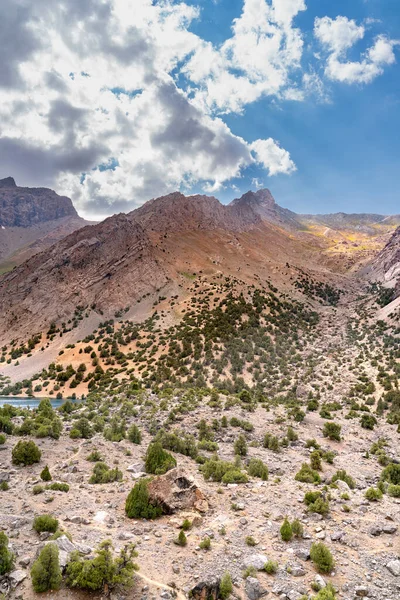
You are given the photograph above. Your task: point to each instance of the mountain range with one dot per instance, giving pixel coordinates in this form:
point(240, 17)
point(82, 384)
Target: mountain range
point(79, 274)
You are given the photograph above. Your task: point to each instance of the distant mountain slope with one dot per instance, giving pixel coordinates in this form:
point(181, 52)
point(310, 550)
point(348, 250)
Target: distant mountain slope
point(386, 265)
point(369, 224)
point(32, 219)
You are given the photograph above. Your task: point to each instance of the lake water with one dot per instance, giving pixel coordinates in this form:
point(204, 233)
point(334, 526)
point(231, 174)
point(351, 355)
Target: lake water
point(26, 402)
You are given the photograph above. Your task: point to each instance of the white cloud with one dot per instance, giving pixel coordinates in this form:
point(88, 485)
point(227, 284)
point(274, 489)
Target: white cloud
point(273, 158)
point(98, 98)
point(339, 35)
point(256, 61)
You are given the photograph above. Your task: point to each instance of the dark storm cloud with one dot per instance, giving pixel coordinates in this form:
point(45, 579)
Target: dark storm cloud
point(35, 165)
point(63, 117)
point(187, 131)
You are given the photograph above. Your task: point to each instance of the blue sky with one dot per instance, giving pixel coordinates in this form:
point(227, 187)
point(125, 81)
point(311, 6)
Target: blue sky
point(347, 151)
point(139, 98)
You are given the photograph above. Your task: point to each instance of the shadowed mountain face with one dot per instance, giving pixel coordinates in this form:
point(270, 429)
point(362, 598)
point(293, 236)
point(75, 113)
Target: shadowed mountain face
point(24, 207)
point(32, 219)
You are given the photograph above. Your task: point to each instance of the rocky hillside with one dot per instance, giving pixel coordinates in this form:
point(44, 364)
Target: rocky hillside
point(385, 267)
point(31, 219)
point(109, 264)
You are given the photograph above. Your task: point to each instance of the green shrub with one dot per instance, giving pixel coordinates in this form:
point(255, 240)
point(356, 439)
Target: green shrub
point(271, 442)
point(327, 593)
point(297, 528)
point(6, 425)
point(37, 489)
point(58, 486)
point(186, 525)
point(368, 421)
point(250, 541)
point(157, 460)
point(234, 476)
point(138, 505)
point(3, 439)
point(103, 474)
point(316, 503)
point(134, 434)
point(240, 446)
point(82, 429)
point(220, 470)
point(321, 557)
point(391, 474)
point(315, 460)
point(257, 468)
point(6, 556)
point(332, 431)
point(271, 567)
point(393, 490)
point(46, 572)
point(343, 476)
point(25, 453)
point(225, 586)
point(94, 456)
point(205, 543)
point(4, 486)
point(373, 494)
point(45, 474)
point(103, 572)
point(286, 530)
point(45, 523)
point(307, 475)
point(181, 540)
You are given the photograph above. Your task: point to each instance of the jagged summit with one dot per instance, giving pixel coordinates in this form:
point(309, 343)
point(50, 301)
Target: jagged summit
point(263, 204)
point(177, 212)
point(8, 182)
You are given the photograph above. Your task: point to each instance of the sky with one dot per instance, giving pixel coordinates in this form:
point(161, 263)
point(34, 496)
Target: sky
point(114, 102)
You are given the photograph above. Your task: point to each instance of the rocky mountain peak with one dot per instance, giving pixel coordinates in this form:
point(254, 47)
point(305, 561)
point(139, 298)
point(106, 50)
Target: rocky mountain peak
point(25, 207)
point(177, 212)
point(260, 197)
point(8, 182)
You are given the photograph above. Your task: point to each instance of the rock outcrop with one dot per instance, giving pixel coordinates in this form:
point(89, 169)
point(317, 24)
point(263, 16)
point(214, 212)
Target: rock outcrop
point(177, 490)
point(24, 207)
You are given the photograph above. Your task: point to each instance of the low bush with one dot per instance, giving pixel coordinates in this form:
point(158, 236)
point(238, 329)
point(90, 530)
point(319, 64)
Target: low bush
point(373, 494)
point(6, 556)
point(138, 505)
point(307, 475)
point(103, 474)
point(256, 468)
point(321, 557)
point(343, 476)
point(46, 572)
point(332, 431)
point(45, 523)
point(158, 461)
point(25, 453)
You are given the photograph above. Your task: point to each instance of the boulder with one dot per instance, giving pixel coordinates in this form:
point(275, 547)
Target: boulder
point(177, 490)
point(16, 577)
point(253, 588)
point(206, 590)
point(255, 560)
point(394, 567)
